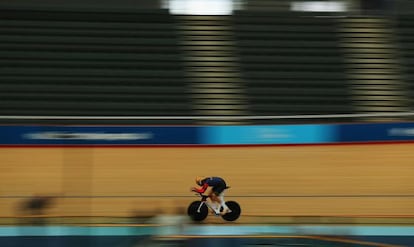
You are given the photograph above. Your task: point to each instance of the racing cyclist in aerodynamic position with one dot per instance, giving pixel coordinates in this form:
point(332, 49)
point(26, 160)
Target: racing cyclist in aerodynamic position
point(213, 187)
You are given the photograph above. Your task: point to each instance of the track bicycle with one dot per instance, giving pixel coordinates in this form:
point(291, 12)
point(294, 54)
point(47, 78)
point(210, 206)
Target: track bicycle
point(198, 210)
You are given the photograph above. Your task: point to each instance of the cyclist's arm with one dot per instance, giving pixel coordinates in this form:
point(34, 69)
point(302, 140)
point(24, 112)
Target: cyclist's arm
point(202, 189)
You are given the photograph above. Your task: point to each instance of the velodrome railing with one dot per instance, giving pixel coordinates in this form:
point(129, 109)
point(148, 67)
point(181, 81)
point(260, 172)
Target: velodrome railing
point(196, 120)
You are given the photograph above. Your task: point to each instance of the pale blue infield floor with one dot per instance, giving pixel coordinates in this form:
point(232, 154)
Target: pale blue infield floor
point(207, 235)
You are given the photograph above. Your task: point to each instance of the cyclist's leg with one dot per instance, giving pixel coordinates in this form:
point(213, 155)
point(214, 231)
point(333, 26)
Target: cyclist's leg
point(218, 191)
point(213, 200)
point(226, 209)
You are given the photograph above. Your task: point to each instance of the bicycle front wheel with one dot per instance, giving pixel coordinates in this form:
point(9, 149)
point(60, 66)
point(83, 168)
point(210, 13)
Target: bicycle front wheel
point(195, 213)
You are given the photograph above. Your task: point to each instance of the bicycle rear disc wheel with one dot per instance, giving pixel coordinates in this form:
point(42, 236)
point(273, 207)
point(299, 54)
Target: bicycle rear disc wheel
point(235, 211)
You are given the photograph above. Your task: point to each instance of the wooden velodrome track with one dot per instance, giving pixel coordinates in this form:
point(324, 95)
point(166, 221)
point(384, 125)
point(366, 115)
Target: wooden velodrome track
point(276, 180)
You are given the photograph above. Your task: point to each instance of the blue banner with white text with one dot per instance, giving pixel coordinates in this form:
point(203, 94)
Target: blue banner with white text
point(268, 134)
point(377, 132)
point(206, 135)
point(97, 135)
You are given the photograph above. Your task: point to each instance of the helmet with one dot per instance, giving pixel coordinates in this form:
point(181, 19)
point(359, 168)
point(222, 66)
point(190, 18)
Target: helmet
point(199, 180)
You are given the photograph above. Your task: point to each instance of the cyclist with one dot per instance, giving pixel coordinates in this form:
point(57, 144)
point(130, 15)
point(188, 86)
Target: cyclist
point(213, 187)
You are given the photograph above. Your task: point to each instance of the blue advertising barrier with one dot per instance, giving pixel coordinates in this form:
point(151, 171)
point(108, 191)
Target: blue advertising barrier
point(97, 135)
point(206, 135)
point(268, 134)
point(166, 135)
point(375, 132)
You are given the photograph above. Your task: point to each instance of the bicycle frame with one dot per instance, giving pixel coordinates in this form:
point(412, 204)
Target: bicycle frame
point(204, 201)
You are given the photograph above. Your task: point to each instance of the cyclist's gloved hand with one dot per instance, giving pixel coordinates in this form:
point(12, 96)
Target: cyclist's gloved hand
point(194, 189)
